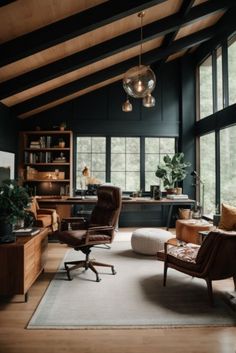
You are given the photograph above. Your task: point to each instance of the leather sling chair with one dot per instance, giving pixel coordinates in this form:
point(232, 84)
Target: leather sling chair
point(44, 217)
point(215, 259)
point(99, 229)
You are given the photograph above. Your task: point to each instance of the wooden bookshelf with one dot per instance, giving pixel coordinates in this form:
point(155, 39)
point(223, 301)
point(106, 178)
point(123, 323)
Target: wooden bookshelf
point(45, 162)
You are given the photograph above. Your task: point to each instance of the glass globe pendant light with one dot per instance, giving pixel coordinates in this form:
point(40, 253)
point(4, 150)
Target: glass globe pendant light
point(140, 80)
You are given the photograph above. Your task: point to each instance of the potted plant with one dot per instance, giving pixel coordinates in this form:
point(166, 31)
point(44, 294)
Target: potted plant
point(172, 171)
point(14, 200)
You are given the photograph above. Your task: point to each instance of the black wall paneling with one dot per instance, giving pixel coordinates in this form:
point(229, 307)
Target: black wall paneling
point(8, 132)
point(187, 107)
point(100, 112)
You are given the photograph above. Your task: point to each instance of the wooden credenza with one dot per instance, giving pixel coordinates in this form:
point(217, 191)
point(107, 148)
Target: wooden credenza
point(21, 263)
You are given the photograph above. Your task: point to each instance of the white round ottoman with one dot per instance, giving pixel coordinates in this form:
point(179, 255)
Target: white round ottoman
point(149, 241)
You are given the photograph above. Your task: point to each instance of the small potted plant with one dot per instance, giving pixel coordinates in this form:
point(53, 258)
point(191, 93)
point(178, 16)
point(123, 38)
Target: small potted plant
point(62, 126)
point(172, 171)
point(14, 201)
point(61, 143)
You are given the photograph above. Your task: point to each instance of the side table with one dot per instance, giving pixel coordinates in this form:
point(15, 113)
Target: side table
point(188, 230)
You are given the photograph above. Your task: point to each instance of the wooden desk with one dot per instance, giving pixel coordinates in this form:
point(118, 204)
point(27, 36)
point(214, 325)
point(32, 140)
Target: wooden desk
point(21, 263)
point(63, 205)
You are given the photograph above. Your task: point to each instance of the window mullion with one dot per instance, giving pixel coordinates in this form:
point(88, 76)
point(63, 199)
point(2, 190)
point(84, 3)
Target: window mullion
point(225, 73)
point(214, 81)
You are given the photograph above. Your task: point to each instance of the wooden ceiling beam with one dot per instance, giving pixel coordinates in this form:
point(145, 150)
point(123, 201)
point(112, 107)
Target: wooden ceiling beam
point(88, 56)
point(6, 2)
point(183, 12)
point(69, 28)
point(115, 70)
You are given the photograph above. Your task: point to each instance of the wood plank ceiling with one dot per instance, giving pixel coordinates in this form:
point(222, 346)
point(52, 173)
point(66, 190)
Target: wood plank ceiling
point(52, 51)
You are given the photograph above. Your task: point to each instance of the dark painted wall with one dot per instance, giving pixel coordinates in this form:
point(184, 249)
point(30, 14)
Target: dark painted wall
point(8, 131)
point(100, 112)
point(187, 123)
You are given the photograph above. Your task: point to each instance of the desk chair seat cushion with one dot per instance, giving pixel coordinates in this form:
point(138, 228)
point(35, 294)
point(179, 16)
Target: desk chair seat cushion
point(76, 238)
point(43, 221)
point(186, 253)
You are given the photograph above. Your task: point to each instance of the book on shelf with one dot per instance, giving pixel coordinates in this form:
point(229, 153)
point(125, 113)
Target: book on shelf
point(35, 144)
point(26, 231)
point(177, 197)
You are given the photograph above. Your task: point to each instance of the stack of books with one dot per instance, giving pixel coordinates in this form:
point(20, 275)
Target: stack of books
point(177, 197)
point(22, 232)
point(35, 144)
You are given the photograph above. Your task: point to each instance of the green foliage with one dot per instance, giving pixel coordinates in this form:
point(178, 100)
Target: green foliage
point(14, 200)
point(172, 170)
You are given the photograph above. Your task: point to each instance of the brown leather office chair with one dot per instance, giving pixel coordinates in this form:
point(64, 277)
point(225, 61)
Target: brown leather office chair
point(215, 259)
point(99, 229)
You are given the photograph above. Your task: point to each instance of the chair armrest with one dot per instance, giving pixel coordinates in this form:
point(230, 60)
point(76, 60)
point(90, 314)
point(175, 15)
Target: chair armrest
point(45, 211)
point(74, 219)
point(172, 242)
point(95, 228)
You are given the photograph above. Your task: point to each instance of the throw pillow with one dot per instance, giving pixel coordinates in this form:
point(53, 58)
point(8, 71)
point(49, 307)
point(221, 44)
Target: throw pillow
point(228, 217)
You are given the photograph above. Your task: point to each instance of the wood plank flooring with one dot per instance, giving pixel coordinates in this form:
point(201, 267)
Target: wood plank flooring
point(14, 338)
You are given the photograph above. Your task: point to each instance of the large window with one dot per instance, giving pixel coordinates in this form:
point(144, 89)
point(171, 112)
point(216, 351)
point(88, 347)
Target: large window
point(207, 173)
point(232, 70)
point(155, 149)
point(228, 165)
point(91, 152)
point(128, 162)
point(125, 162)
point(205, 88)
point(217, 152)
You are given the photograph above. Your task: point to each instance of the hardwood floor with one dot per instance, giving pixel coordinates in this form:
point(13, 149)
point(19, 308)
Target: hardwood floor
point(14, 338)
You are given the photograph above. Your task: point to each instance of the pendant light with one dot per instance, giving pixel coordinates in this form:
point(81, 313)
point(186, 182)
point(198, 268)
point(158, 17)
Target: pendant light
point(139, 81)
point(127, 106)
point(149, 101)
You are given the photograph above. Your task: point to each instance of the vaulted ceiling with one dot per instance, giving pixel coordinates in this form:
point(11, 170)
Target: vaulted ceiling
point(52, 51)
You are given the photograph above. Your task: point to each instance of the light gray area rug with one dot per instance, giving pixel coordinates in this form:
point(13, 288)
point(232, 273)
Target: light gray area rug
point(132, 298)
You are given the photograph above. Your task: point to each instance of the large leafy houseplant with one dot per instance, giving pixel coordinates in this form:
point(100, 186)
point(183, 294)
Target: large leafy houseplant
point(14, 200)
point(172, 170)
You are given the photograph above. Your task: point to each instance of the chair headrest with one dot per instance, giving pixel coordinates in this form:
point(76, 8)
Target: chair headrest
point(109, 197)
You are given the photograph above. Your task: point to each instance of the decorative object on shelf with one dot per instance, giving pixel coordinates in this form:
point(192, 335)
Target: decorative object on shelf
point(62, 126)
point(61, 159)
point(61, 143)
point(14, 200)
point(140, 81)
point(172, 171)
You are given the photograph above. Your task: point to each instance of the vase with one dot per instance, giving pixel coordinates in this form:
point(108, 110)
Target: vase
point(171, 191)
point(6, 234)
point(62, 144)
